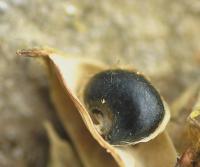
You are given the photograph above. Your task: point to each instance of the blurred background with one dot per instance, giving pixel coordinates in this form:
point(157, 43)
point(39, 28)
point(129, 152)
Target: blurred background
point(160, 38)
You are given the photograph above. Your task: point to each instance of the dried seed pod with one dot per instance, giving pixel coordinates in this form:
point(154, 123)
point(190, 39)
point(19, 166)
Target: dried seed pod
point(124, 105)
point(69, 76)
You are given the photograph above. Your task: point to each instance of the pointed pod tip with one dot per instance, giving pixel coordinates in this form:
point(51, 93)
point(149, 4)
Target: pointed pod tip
point(35, 52)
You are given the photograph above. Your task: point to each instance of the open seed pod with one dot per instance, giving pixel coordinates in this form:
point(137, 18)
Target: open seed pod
point(108, 111)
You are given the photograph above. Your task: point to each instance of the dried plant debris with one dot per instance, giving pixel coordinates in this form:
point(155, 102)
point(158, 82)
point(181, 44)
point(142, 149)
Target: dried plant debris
point(180, 109)
point(69, 76)
point(191, 157)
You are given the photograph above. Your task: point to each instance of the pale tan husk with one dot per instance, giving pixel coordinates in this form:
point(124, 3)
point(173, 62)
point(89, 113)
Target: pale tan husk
point(61, 153)
point(68, 75)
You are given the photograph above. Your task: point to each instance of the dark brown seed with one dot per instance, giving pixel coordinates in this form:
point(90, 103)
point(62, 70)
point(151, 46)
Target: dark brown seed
point(124, 105)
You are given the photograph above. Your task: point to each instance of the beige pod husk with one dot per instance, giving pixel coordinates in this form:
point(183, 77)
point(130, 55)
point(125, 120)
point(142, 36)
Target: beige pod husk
point(61, 152)
point(68, 75)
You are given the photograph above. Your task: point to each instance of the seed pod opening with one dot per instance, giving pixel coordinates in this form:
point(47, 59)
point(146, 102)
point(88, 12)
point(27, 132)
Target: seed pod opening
point(69, 77)
point(124, 106)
